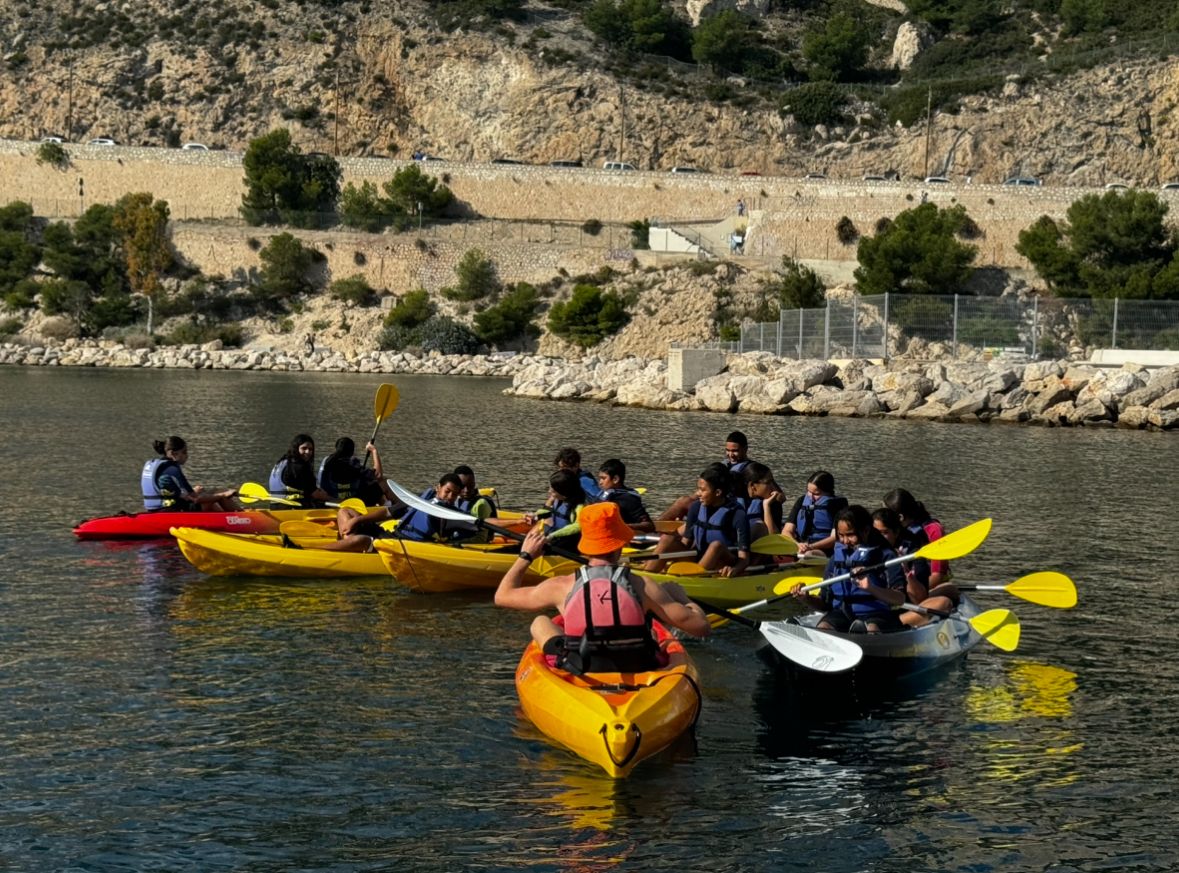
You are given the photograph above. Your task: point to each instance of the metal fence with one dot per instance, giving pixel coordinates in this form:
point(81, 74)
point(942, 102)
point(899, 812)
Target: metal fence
point(920, 325)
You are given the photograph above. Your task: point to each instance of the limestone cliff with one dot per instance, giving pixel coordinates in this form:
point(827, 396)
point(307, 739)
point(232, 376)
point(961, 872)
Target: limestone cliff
point(386, 80)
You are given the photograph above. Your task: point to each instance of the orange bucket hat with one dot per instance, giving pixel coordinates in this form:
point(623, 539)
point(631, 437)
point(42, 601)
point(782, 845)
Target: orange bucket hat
point(602, 529)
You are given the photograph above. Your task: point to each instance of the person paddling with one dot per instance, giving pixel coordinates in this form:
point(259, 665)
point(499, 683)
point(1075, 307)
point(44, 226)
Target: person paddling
point(811, 521)
point(606, 607)
point(716, 527)
point(342, 475)
point(164, 485)
point(612, 481)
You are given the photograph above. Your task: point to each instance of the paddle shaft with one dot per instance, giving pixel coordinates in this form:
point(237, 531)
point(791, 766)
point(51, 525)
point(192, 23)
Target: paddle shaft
point(383, 405)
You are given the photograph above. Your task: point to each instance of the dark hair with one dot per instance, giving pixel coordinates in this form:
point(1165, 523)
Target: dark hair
point(345, 448)
point(450, 479)
point(172, 444)
point(739, 438)
point(755, 472)
point(906, 506)
point(890, 519)
point(717, 475)
point(861, 522)
point(568, 484)
point(824, 481)
point(568, 457)
point(464, 470)
point(293, 449)
point(614, 468)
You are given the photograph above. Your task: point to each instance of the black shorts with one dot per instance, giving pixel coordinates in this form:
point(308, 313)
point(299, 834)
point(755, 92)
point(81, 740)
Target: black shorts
point(886, 621)
point(371, 529)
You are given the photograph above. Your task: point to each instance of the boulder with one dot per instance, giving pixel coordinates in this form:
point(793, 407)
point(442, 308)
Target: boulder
point(1077, 377)
point(1168, 401)
point(1089, 411)
point(854, 404)
point(902, 382)
point(715, 394)
point(1053, 392)
point(771, 400)
point(1039, 370)
point(932, 410)
point(1164, 419)
point(808, 374)
point(1134, 417)
point(1055, 415)
point(970, 403)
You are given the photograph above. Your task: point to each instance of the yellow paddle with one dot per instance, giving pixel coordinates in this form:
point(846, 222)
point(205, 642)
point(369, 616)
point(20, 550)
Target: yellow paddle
point(384, 403)
point(1046, 588)
point(307, 529)
point(253, 492)
point(774, 544)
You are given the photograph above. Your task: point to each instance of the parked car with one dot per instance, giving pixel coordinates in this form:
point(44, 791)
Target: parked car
point(815, 176)
point(195, 147)
point(565, 164)
point(750, 173)
point(687, 170)
point(617, 165)
point(54, 139)
point(1022, 180)
point(505, 161)
point(873, 177)
point(936, 180)
point(102, 141)
point(1169, 186)
point(1116, 186)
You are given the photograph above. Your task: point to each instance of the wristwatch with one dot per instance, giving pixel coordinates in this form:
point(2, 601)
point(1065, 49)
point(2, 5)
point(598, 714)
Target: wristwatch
point(525, 556)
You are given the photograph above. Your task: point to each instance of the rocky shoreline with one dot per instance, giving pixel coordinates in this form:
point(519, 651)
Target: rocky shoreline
point(1051, 393)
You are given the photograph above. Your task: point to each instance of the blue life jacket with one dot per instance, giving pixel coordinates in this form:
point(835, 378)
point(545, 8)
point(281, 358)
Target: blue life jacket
point(464, 504)
point(589, 485)
point(847, 595)
point(149, 485)
point(419, 526)
point(563, 513)
point(719, 525)
point(341, 489)
point(816, 518)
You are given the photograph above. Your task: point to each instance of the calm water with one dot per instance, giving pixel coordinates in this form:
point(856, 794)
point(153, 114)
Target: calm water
point(155, 719)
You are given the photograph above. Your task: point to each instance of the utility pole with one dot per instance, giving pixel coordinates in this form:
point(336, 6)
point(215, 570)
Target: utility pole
point(69, 132)
point(622, 129)
point(337, 113)
point(928, 117)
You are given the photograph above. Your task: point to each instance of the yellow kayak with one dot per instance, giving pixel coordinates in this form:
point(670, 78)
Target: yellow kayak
point(437, 567)
point(220, 554)
point(614, 720)
point(739, 590)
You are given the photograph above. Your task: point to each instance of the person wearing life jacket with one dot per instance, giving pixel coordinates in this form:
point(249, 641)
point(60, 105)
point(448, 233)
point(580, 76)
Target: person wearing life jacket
point(606, 608)
point(342, 475)
point(866, 602)
point(472, 501)
point(762, 500)
point(916, 518)
point(570, 459)
point(357, 530)
point(293, 475)
point(612, 481)
point(164, 486)
point(811, 521)
point(715, 527)
point(736, 459)
point(562, 508)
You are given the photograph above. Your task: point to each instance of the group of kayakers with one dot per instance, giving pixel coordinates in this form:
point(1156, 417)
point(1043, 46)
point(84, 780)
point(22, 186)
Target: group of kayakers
point(736, 502)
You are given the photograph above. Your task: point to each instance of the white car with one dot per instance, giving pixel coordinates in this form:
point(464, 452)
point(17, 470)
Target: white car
point(1022, 180)
point(102, 141)
point(1116, 186)
point(195, 147)
point(936, 180)
point(54, 139)
point(617, 165)
point(687, 170)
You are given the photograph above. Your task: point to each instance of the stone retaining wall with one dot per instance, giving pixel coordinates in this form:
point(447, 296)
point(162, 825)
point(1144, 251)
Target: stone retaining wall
point(798, 216)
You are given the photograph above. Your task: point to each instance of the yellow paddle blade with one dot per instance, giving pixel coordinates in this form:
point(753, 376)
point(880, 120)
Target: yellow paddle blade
point(252, 492)
point(954, 545)
point(307, 529)
point(774, 544)
point(999, 627)
point(787, 585)
point(385, 401)
point(354, 503)
point(667, 525)
point(1047, 588)
point(685, 568)
point(546, 566)
point(717, 621)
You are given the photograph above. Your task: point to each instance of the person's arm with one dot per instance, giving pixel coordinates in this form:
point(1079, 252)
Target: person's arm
point(741, 523)
point(788, 526)
point(513, 594)
point(377, 468)
point(381, 513)
point(891, 596)
point(671, 604)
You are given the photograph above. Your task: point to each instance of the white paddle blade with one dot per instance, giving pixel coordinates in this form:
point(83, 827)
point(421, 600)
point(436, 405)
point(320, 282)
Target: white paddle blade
point(812, 649)
point(434, 509)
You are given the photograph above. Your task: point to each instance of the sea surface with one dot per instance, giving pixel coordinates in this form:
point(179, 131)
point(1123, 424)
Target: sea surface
point(153, 718)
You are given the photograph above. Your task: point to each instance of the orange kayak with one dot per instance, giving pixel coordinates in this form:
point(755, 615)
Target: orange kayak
point(614, 720)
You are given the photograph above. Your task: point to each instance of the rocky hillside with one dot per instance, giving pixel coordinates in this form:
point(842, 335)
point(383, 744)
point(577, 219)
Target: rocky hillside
point(364, 78)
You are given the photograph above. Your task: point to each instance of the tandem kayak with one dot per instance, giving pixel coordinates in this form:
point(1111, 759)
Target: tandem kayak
point(614, 720)
point(157, 524)
point(220, 554)
point(906, 653)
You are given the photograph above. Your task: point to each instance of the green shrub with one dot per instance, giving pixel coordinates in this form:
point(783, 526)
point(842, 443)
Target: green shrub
point(286, 263)
point(592, 226)
point(414, 309)
point(640, 234)
point(589, 316)
point(396, 337)
point(815, 103)
point(53, 154)
point(354, 290)
point(511, 318)
point(447, 336)
point(845, 230)
point(9, 327)
point(477, 278)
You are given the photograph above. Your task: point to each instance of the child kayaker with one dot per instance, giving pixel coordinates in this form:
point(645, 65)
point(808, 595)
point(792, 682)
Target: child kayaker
point(612, 481)
point(811, 521)
point(164, 485)
point(715, 526)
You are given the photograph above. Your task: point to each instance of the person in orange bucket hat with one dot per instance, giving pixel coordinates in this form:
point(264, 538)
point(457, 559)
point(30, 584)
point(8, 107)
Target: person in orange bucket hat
point(606, 609)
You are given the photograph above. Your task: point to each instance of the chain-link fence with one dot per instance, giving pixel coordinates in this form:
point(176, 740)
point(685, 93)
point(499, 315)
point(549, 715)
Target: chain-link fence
point(920, 325)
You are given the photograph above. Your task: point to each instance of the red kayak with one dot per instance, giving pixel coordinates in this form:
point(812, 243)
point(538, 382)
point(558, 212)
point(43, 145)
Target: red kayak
point(146, 525)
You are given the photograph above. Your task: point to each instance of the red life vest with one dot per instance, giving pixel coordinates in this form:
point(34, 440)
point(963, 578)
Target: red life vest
point(606, 627)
